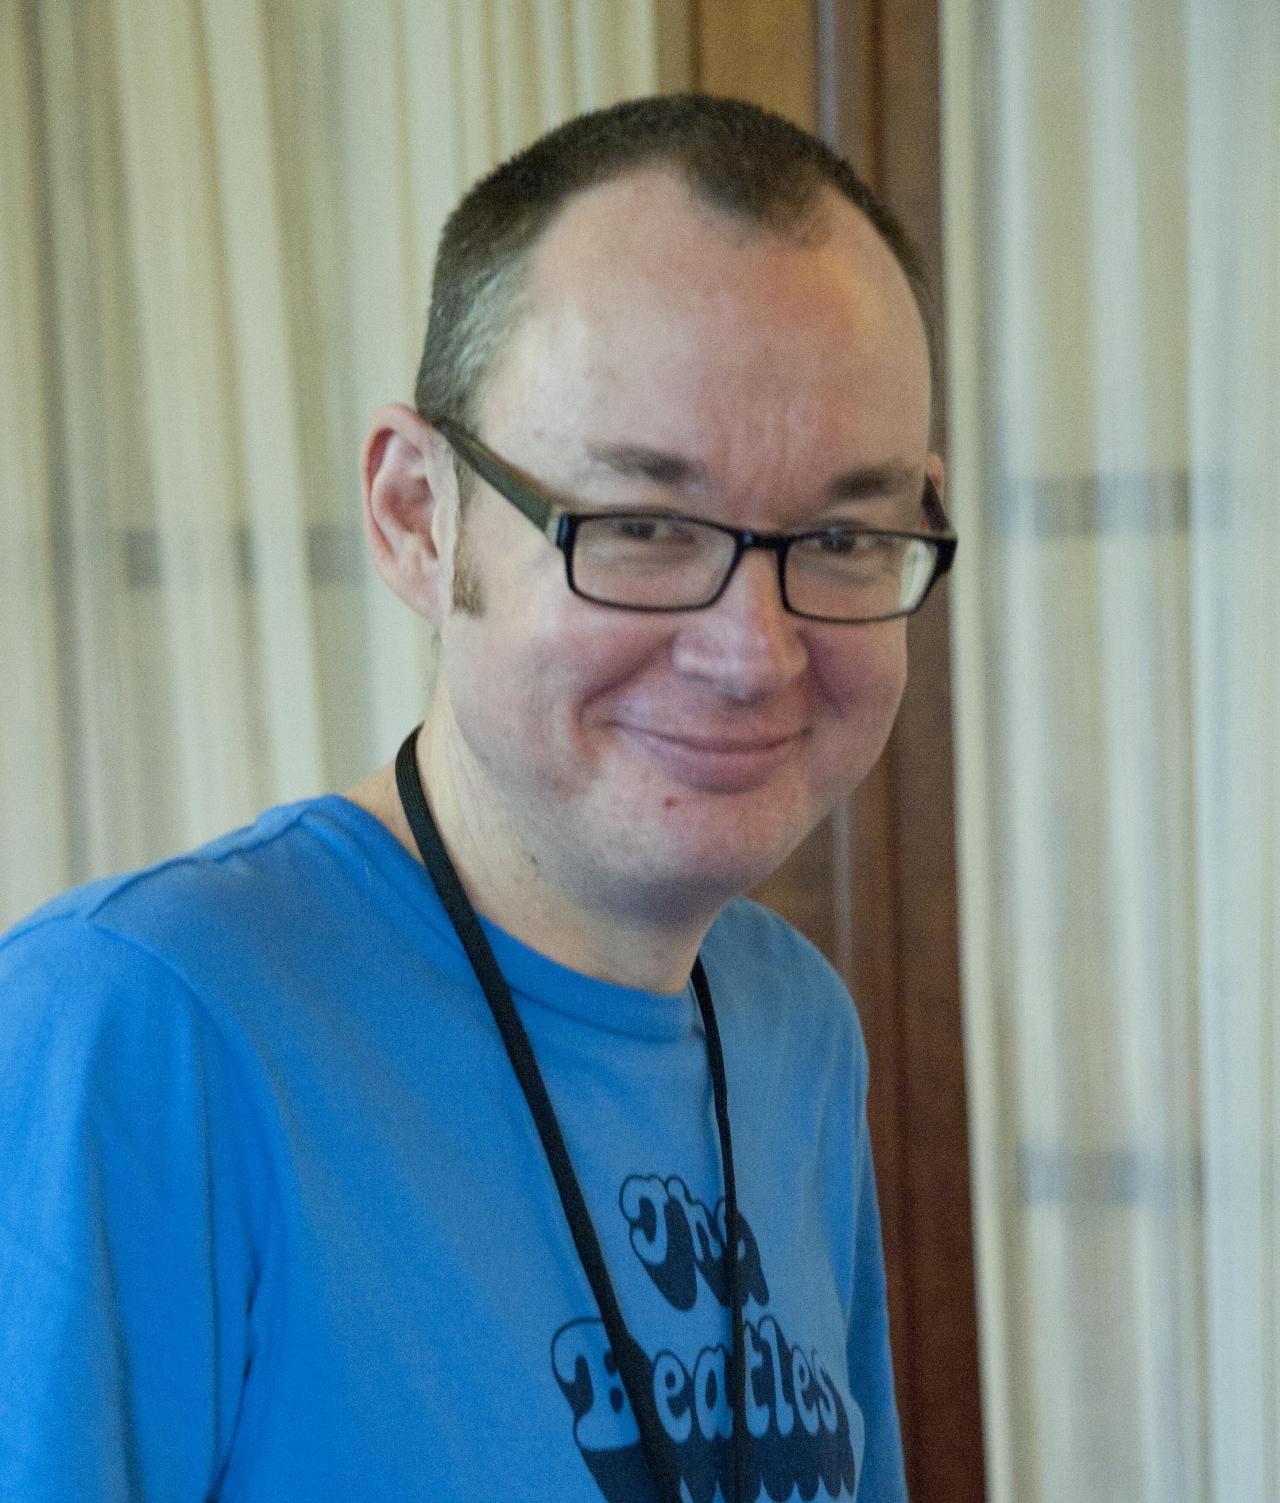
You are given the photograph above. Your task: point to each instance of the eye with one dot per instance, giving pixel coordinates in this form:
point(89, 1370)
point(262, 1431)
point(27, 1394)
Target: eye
point(647, 530)
point(848, 542)
point(855, 554)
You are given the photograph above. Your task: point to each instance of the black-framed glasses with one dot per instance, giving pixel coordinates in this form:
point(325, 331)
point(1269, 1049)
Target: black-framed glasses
point(660, 561)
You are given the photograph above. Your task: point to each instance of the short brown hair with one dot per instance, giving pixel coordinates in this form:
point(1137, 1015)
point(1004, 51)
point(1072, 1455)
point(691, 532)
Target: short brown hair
point(750, 164)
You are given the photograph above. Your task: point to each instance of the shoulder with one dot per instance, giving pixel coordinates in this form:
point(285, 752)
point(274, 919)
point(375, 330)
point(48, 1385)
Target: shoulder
point(139, 1184)
point(755, 957)
point(136, 963)
point(143, 997)
point(744, 923)
point(244, 882)
point(754, 942)
point(99, 1035)
point(100, 992)
point(124, 1090)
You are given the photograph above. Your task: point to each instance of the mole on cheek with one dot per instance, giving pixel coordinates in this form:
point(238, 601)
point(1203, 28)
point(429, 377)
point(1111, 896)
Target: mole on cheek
point(670, 803)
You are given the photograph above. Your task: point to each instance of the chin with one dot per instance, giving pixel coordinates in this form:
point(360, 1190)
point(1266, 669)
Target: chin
point(724, 866)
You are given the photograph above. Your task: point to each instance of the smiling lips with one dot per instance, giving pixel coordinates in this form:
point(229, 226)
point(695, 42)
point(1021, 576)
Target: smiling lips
point(722, 764)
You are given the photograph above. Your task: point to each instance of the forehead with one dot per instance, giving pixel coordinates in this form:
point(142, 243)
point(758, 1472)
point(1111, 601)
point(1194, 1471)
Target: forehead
point(649, 311)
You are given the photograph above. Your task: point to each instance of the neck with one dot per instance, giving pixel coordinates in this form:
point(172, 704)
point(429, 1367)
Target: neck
point(651, 951)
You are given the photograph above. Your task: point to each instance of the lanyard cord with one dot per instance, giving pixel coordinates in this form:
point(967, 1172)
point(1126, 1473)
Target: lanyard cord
point(633, 1365)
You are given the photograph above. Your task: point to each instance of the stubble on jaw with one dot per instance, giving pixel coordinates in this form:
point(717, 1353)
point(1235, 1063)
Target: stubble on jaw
point(466, 591)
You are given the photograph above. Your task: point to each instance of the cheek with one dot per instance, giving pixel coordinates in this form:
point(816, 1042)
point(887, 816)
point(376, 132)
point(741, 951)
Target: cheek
point(544, 680)
point(863, 682)
point(588, 658)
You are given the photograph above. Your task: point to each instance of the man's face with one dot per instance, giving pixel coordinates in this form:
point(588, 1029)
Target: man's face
point(670, 358)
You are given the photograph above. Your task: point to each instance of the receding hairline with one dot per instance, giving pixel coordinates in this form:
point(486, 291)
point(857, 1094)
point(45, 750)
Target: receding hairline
point(749, 167)
point(810, 224)
point(816, 226)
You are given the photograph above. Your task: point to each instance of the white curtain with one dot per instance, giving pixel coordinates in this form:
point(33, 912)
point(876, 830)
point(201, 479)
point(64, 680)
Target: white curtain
point(216, 225)
point(1113, 239)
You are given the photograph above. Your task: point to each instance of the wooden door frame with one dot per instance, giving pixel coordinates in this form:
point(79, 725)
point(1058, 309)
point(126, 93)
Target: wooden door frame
point(876, 886)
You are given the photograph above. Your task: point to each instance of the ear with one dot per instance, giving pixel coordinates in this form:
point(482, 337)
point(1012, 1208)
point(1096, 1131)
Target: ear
point(410, 492)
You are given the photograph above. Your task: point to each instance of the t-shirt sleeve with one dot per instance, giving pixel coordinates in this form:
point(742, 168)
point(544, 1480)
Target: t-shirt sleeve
point(131, 1193)
point(870, 1360)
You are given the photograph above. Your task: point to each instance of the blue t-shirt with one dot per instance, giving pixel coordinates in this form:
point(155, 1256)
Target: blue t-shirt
point(275, 1222)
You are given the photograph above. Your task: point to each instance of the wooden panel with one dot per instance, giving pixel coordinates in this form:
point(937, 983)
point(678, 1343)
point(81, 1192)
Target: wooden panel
point(939, 1343)
point(884, 70)
point(873, 980)
point(868, 69)
point(801, 890)
point(848, 58)
point(675, 39)
point(763, 50)
point(909, 142)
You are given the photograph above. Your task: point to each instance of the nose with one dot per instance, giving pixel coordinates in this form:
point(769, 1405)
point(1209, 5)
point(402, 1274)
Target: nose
point(747, 645)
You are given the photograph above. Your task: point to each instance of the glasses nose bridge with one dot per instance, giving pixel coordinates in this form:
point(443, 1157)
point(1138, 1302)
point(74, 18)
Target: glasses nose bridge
point(746, 540)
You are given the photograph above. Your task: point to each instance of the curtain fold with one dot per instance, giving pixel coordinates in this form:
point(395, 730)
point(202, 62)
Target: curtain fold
point(1113, 241)
point(32, 754)
point(195, 458)
point(254, 272)
point(1234, 212)
point(215, 254)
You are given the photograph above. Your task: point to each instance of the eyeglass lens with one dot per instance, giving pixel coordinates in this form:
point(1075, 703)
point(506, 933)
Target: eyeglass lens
point(673, 563)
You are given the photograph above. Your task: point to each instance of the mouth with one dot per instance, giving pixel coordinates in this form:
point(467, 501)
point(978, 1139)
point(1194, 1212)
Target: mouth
point(721, 764)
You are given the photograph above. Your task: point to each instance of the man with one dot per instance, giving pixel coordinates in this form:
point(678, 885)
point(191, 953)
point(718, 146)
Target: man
point(315, 1186)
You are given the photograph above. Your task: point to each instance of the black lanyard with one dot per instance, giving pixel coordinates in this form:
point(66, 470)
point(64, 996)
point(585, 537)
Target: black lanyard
point(633, 1365)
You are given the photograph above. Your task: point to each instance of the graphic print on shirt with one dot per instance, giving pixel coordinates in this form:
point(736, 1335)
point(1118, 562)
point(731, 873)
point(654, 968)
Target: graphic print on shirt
point(796, 1418)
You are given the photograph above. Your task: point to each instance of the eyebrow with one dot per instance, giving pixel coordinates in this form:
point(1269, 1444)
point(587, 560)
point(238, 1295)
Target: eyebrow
point(890, 477)
point(637, 462)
